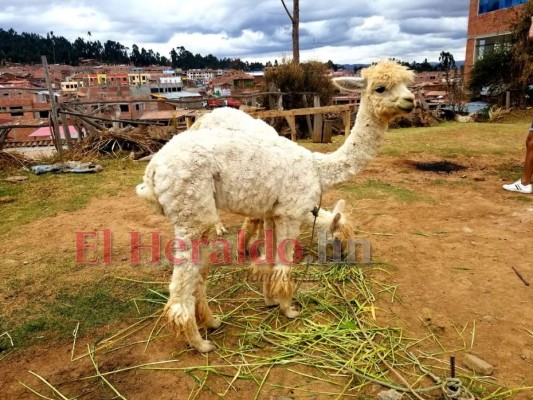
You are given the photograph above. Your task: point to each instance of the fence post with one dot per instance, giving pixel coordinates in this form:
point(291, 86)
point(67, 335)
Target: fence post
point(317, 128)
point(307, 117)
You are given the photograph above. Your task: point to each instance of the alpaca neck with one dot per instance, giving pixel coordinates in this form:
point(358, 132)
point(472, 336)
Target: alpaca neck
point(359, 148)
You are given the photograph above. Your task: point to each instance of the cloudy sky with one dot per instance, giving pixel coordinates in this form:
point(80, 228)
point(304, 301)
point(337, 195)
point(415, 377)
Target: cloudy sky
point(344, 31)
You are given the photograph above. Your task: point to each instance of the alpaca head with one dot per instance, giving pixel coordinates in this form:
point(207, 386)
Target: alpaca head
point(383, 88)
point(340, 228)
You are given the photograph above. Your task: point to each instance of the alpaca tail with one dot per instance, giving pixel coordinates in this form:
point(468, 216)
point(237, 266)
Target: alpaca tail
point(145, 191)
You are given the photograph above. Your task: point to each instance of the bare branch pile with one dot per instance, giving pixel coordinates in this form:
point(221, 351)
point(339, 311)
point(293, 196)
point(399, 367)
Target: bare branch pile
point(139, 141)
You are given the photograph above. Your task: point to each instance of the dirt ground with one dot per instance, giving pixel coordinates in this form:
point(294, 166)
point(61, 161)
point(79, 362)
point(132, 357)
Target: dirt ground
point(450, 249)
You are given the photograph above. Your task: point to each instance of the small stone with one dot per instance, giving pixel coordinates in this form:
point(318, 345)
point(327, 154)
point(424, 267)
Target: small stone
point(25, 263)
point(390, 395)
point(466, 229)
point(17, 178)
point(523, 356)
point(478, 365)
point(426, 314)
point(488, 318)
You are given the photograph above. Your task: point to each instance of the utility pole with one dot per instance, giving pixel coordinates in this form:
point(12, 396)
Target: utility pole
point(295, 19)
point(56, 135)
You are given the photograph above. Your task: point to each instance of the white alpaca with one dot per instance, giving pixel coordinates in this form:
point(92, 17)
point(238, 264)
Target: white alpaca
point(200, 172)
point(241, 123)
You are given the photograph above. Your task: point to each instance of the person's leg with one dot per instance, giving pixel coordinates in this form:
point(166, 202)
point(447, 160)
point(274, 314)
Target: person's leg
point(528, 165)
point(523, 185)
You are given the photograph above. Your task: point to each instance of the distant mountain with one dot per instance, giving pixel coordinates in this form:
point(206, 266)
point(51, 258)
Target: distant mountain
point(352, 66)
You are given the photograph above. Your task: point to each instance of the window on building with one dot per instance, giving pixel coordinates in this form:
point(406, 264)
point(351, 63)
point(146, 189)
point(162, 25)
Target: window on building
point(488, 45)
point(43, 114)
point(486, 6)
point(16, 112)
point(124, 108)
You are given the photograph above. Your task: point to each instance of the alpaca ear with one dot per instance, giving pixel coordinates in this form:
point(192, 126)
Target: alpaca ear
point(339, 207)
point(350, 84)
point(335, 223)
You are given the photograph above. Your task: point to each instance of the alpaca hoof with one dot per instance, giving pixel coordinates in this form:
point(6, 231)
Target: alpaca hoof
point(215, 323)
point(205, 346)
point(291, 312)
point(221, 229)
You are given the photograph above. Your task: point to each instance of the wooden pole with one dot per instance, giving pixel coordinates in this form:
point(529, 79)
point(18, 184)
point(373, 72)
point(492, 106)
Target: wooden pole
point(347, 122)
point(56, 135)
point(317, 128)
point(128, 121)
point(291, 120)
point(3, 136)
point(84, 118)
point(307, 117)
point(66, 131)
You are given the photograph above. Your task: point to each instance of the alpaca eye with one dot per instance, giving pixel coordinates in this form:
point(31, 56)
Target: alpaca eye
point(380, 89)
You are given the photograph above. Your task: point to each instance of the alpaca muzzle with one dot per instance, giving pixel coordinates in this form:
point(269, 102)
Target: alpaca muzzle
point(407, 105)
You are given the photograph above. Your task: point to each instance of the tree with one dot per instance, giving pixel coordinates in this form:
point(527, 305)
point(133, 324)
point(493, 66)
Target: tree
point(522, 49)
point(493, 71)
point(292, 78)
point(454, 81)
point(331, 65)
point(295, 20)
point(510, 65)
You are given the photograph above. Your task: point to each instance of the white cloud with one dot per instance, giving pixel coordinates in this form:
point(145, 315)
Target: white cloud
point(344, 31)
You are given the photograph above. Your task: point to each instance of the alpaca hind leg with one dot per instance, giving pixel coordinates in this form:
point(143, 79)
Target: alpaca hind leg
point(187, 286)
point(204, 316)
point(180, 309)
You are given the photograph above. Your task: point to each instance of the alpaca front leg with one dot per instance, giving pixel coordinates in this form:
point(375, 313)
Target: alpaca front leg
point(181, 306)
point(282, 286)
point(250, 228)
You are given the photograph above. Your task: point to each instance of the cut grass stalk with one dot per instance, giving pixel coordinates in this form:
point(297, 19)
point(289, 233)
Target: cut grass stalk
point(6, 334)
point(103, 378)
point(263, 382)
point(54, 390)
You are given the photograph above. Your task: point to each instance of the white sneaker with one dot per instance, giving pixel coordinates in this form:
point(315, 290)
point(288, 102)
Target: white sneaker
point(518, 187)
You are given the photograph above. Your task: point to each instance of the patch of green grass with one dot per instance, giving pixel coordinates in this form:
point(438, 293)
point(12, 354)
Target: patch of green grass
point(373, 189)
point(46, 195)
point(510, 171)
point(453, 139)
point(523, 199)
point(92, 306)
